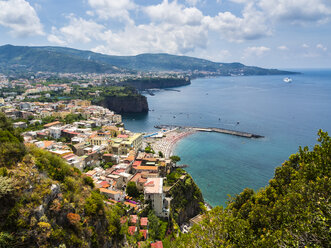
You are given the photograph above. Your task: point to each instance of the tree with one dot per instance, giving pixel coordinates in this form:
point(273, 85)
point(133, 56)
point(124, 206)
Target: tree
point(132, 190)
point(292, 211)
point(161, 154)
point(175, 159)
point(6, 186)
point(149, 149)
point(154, 225)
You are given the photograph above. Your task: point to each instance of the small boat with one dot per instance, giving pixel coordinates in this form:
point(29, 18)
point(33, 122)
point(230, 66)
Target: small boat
point(287, 80)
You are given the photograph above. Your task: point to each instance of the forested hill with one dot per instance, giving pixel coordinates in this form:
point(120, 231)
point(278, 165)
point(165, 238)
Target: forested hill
point(62, 59)
point(44, 202)
point(292, 211)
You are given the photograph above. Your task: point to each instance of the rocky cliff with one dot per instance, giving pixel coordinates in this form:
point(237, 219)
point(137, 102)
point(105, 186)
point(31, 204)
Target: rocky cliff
point(157, 83)
point(187, 200)
point(125, 104)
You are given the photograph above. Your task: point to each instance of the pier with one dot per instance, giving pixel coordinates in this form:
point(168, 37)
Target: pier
point(213, 129)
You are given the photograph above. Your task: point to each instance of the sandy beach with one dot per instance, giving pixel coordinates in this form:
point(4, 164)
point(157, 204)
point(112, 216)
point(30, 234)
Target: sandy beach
point(167, 143)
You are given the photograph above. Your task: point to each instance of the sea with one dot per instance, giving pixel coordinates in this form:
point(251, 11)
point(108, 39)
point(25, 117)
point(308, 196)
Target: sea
point(288, 115)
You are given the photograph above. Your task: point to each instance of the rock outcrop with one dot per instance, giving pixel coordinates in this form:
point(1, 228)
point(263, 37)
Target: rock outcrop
point(186, 200)
point(125, 104)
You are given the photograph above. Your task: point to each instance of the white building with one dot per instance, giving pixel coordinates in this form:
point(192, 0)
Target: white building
point(153, 191)
point(55, 132)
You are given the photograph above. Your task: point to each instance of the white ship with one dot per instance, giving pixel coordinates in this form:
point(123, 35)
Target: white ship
point(287, 80)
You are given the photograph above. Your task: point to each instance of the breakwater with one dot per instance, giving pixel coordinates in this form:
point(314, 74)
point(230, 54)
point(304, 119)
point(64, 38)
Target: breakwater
point(213, 129)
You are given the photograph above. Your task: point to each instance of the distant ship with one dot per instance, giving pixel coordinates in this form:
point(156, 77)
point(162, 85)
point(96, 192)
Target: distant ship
point(287, 80)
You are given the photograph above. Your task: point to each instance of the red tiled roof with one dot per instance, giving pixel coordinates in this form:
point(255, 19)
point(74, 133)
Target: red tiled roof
point(144, 233)
point(143, 221)
point(104, 184)
point(133, 219)
point(132, 230)
point(157, 244)
point(122, 136)
point(136, 163)
point(142, 180)
point(123, 219)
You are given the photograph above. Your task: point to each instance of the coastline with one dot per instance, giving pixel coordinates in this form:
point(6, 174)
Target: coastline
point(170, 138)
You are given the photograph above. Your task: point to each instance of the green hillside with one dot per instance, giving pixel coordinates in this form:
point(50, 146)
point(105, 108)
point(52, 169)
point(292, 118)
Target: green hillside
point(292, 211)
point(34, 59)
point(44, 202)
point(61, 59)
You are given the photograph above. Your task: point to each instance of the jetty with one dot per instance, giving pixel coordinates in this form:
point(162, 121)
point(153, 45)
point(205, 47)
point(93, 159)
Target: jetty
point(213, 129)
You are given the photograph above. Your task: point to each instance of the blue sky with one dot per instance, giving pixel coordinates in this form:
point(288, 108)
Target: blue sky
point(268, 33)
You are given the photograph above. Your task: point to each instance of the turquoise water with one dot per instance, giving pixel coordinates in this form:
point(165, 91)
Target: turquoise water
point(288, 115)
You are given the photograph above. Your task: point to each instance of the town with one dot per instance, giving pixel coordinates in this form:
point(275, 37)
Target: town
point(134, 169)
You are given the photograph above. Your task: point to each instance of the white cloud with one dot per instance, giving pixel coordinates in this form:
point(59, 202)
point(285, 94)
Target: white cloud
point(282, 48)
point(20, 17)
point(78, 30)
point(304, 45)
point(118, 9)
point(154, 38)
point(255, 51)
point(320, 46)
point(237, 29)
point(297, 11)
point(56, 40)
point(174, 13)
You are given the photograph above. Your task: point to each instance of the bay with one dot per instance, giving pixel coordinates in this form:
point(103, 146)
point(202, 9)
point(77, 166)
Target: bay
point(287, 114)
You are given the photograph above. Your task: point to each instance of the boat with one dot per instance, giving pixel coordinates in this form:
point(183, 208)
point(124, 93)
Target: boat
point(287, 80)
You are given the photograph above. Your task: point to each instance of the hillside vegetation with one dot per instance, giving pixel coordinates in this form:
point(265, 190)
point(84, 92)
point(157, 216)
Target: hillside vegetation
point(61, 59)
point(44, 202)
point(292, 211)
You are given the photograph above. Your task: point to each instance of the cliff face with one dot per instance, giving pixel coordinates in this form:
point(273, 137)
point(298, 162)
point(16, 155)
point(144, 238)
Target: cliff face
point(157, 83)
point(187, 198)
point(125, 104)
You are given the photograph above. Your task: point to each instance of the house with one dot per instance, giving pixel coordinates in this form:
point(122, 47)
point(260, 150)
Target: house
point(55, 132)
point(132, 230)
point(133, 219)
point(143, 222)
point(20, 124)
point(144, 233)
point(153, 191)
point(115, 195)
point(52, 124)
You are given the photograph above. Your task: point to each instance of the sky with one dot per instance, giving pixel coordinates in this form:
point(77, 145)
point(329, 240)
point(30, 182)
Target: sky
point(267, 33)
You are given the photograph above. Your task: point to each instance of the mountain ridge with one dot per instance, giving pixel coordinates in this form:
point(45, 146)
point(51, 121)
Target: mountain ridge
point(64, 59)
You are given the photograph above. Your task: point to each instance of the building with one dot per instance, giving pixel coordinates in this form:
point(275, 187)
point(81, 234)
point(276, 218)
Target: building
point(115, 195)
point(20, 124)
point(153, 191)
point(99, 139)
point(55, 132)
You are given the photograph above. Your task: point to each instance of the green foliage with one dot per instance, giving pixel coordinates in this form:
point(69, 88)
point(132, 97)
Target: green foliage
point(175, 158)
point(6, 240)
point(149, 149)
point(12, 149)
point(56, 167)
point(71, 118)
point(88, 181)
point(174, 176)
point(132, 190)
point(94, 204)
point(154, 226)
point(292, 211)
point(3, 172)
point(59, 59)
point(44, 202)
point(161, 154)
point(6, 186)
